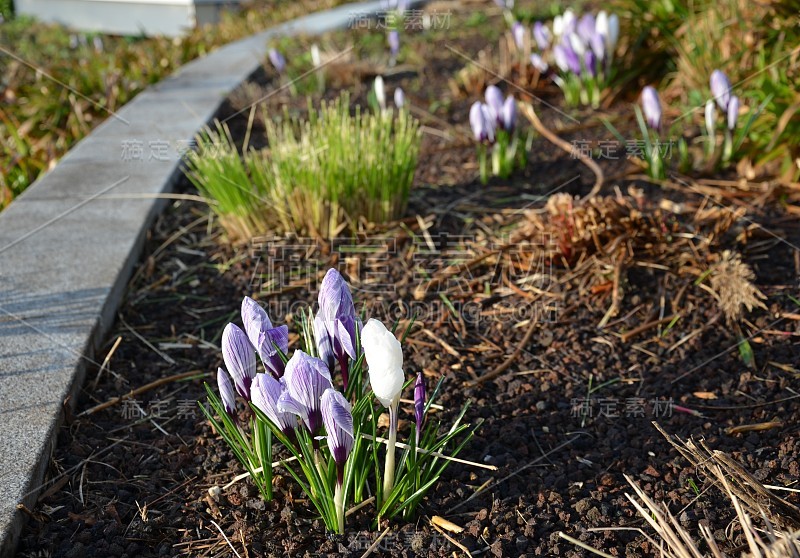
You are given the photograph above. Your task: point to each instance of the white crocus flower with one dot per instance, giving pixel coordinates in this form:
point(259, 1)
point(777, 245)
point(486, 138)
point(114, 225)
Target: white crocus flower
point(380, 92)
point(385, 361)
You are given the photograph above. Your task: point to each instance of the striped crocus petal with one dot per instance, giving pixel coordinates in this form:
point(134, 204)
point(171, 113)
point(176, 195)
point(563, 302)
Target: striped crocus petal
point(240, 358)
point(324, 343)
point(267, 340)
point(721, 89)
point(307, 378)
point(338, 420)
point(339, 314)
point(419, 402)
point(651, 107)
point(226, 392)
point(266, 393)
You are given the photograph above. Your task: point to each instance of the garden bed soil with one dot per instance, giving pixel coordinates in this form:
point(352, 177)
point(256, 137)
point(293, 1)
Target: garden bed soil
point(568, 419)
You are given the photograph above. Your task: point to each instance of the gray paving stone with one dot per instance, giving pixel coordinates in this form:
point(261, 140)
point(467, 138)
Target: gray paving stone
point(68, 246)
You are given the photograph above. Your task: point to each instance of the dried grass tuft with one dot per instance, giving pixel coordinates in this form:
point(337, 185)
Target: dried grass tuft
point(732, 282)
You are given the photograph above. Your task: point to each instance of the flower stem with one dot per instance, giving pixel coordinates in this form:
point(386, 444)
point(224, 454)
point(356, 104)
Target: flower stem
point(338, 501)
point(388, 472)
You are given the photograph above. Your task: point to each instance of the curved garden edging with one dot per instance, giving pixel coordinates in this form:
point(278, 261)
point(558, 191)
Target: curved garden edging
point(69, 243)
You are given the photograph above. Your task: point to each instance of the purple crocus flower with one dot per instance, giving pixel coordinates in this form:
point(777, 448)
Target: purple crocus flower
point(306, 379)
point(339, 315)
point(733, 112)
point(399, 98)
point(509, 114)
point(481, 122)
point(566, 59)
point(338, 420)
point(226, 392)
point(419, 403)
point(518, 32)
point(597, 42)
point(266, 393)
point(651, 107)
point(542, 35)
point(240, 358)
point(269, 341)
point(393, 39)
point(586, 27)
point(277, 60)
point(494, 102)
point(721, 89)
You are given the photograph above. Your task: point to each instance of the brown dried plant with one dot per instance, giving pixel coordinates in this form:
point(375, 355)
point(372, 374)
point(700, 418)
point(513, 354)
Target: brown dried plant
point(732, 282)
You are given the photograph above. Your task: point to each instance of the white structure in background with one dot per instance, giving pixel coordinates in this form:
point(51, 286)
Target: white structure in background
point(127, 17)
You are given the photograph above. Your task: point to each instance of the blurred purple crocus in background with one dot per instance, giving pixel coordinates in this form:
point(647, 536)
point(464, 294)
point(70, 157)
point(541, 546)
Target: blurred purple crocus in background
point(539, 63)
point(306, 380)
point(586, 27)
point(339, 316)
point(733, 112)
point(651, 107)
point(277, 60)
point(266, 393)
point(508, 115)
point(518, 32)
point(240, 358)
point(268, 341)
point(494, 102)
point(419, 403)
point(590, 61)
point(542, 35)
point(481, 122)
point(393, 39)
point(399, 98)
point(226, 392)
point(721, 89)
point(566, 59)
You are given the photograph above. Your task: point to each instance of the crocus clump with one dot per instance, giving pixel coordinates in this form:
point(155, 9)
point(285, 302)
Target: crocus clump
point(576, 52)
point(721, 96)
point(300, 402)
point(494, 125)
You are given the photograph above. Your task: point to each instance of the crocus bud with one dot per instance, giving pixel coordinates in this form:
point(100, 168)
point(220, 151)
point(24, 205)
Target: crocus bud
point(566, 59)
point(419, 403)
point(542, 36)
point(518, 32)
point(651, 107)
point(539, 63)
point(269, 341)
point(339, 313)
point(337, 417)
point(385, 360)
point(494, 102)
point(509, 114)
point(266, 393)
point(577, 44)
point(399, 98)
point(277, 60)
point(711, 116)
point(393, 39)
point(324, 343)
point(569, 22)
point(586, 27)
point(240, 358)
point(481, 123)
point(380, 92)
point(601, 23)
point(721, 89)
point(306, 378)
point(598, 44)
point(226, 392)
point(613, 33)
point(733, 112)
point(316, 57)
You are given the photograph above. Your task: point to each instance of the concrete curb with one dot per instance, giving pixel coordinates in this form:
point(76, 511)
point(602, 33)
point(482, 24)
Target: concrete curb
point(69, 244)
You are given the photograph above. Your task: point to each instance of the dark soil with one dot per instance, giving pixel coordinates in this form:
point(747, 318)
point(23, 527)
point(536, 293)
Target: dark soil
point(134, 479)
